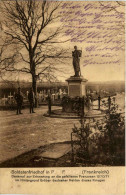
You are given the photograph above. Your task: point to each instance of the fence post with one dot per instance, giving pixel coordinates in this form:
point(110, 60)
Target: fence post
point(49, 104)
point(4, 100)
point(72, 153)
point(109, 102)
point(82, 106)
point(99, 101)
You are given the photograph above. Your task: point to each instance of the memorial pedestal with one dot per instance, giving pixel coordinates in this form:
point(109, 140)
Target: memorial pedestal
point(76, 86)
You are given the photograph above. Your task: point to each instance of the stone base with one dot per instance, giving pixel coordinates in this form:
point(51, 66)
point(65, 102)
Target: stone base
point(76, 86)
point(72, 115)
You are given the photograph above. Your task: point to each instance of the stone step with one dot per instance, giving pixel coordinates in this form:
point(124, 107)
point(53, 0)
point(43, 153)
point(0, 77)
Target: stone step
point(56, 151)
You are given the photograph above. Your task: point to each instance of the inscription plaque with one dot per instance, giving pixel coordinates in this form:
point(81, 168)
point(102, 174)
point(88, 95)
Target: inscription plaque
point(74, 90)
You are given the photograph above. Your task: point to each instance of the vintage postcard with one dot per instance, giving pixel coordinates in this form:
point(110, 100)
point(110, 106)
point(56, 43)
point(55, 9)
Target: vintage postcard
point(62, 97)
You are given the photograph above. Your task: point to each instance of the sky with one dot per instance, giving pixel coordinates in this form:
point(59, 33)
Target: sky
point(98, 30)
point(99, 33)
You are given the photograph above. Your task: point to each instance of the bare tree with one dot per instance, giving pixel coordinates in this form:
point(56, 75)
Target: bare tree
point(32, 38)
point(4, 60)
point(113, 6)
point(117, 7)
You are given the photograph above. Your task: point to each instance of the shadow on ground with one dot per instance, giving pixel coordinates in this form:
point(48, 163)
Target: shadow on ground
point(34, 158)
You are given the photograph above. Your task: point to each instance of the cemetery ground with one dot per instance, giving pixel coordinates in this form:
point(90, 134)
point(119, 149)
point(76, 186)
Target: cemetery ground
point(20, 134)
point(24, 138)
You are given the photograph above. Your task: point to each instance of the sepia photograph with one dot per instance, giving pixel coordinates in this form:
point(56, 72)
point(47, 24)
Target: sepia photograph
point(62, 83)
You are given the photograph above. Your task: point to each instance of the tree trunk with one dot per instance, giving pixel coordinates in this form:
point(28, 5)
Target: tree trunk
point(34, 85)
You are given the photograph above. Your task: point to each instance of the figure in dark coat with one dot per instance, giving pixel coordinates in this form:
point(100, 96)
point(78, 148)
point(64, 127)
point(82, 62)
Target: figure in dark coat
point(49, 103)
point(31, 98)
point(19, 100)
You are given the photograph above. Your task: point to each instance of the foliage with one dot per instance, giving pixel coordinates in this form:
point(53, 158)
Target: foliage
point(75, 104)
point(102, 140)
point(71, 104)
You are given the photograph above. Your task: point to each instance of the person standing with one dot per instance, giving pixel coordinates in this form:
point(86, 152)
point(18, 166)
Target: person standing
point(19, 100)
point(31, 98)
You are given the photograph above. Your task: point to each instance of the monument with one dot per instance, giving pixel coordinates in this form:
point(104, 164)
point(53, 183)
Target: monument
point(76, 86)
point(76, 83)
point(77, 103)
